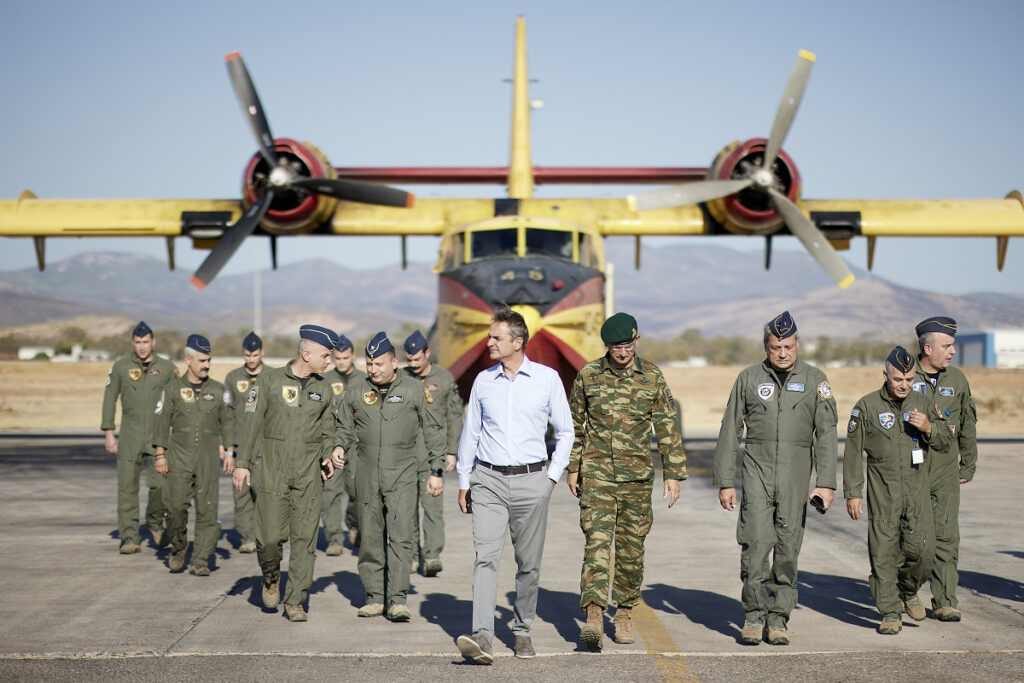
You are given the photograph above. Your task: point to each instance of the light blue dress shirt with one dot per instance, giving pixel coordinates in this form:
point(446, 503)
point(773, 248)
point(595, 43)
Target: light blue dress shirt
point(506, 420)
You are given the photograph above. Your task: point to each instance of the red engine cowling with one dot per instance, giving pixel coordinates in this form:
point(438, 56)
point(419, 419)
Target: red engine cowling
point(293, 211)
point(751, 212)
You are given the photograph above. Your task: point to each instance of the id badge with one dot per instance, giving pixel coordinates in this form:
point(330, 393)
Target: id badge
point(917, 456)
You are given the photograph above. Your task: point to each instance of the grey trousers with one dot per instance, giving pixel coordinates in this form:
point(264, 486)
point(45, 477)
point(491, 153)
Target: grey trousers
point(503, 505)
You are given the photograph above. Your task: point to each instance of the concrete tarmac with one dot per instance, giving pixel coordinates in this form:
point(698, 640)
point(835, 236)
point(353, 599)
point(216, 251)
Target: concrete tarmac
point(74, 608)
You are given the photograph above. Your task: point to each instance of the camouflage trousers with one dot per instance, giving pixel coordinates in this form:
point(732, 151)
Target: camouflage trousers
point(616, 513)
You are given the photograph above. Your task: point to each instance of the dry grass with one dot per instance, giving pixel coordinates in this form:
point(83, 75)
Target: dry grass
point(67, 397)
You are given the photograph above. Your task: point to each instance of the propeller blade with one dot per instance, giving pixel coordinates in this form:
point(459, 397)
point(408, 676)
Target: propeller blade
point(690, 193)
point(245, 91)
point(356, 191)
point(231, 240)
point(814, 241)
point(791, 97)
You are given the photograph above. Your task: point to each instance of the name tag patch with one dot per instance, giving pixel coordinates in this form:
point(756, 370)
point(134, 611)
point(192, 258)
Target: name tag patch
point(395, 399)
point(313, 396)
point(794, 386)
point(946, 391)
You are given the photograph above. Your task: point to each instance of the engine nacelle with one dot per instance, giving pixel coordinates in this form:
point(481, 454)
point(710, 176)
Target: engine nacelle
point(293, 211)
point(751, 212)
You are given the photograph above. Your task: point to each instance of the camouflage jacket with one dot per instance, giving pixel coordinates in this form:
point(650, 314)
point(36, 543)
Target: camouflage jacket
point(613, 412)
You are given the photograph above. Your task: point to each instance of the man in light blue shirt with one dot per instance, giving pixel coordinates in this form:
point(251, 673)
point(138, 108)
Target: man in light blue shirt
point(505, 478)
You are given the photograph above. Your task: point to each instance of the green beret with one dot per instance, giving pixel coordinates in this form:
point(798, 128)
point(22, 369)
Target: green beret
point(619, 329)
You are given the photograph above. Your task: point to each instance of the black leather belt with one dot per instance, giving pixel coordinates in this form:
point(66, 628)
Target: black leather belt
point(514, 469)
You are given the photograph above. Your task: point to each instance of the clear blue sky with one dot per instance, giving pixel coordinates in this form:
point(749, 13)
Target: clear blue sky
point(132, 99)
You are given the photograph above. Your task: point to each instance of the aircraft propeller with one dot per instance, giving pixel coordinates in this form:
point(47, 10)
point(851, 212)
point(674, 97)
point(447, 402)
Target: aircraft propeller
point(282, 177)
point(763, 179)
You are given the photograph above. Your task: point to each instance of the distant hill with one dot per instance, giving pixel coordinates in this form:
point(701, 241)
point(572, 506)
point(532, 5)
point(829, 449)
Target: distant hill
point(715, 289)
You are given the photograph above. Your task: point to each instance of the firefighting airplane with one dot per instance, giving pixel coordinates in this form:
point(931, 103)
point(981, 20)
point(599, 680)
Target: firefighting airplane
point(543, 257)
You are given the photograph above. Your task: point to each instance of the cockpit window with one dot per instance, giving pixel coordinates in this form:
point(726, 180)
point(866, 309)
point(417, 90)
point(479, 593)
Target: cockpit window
point(549, 242)
point(493, 243)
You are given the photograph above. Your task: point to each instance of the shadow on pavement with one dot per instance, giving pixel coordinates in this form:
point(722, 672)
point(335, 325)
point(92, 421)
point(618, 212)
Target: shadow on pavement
point(1019, 554)
point(454, 616)
point(562, 610)
point(347, 583)
point(711, 610)
point(839, 597)
point(994, 586)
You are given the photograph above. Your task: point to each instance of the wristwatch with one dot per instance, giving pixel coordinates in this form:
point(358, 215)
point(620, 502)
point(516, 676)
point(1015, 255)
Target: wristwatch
point(230, 454)
point(437, 473)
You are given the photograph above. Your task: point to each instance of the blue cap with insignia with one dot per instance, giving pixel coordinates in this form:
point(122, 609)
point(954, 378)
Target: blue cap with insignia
point(198, 342)
point(320, 335)
point(415, 343)
point(252, 342)
point(900, 359)
point(936, 323)
point(782, 325)
point(344, 343)
point(379, 345)
point(141, 330)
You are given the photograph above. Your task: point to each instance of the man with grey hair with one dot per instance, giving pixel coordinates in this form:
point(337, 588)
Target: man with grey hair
point(291, 412)
point(949, 394)
point(194, 437)
point(787, 408)
point(505, 477)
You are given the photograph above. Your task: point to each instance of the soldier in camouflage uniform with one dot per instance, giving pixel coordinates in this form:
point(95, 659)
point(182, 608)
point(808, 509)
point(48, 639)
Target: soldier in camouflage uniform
point(385, 414)
point(891, 425)
point(790, 418)
point(290, 411)
point(444, 402)
point(239, 382)
point(949, 393)
point(341, 376)
point(193, 436)
point(138, 381)
point(615, 401)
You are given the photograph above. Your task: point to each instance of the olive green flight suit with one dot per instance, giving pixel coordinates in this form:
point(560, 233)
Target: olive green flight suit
point(386, 426)
point(239, 383)
point(791, 427)
point(948, 466)
point(192, 423)
point(294, 424)
point(331, 512)
point(613, 412)
point(901, 532)
point(444, 403)
point(138, 386)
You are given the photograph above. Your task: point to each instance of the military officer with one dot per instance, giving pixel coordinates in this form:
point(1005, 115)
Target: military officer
point(443, 401)
point(615, 402)
point(892, 427)
point(790, 418)
point(385, 414)
point(137, 380)
point(238, 382)
point(949, 394)
point(343, 374)
point(193, 436)
point(289, 411)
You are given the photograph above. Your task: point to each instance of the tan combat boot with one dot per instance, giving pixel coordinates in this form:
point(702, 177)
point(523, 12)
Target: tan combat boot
point(592, 633)
point(624, 626)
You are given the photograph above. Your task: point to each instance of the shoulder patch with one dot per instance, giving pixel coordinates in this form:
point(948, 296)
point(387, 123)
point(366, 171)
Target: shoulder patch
point(851, 426)
point(824, 390)
point(855, 412)
point(887, 420)
point(228, 399)
point(765, 390)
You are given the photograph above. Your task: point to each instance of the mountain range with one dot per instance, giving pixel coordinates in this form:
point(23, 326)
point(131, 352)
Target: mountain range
point(712, 288)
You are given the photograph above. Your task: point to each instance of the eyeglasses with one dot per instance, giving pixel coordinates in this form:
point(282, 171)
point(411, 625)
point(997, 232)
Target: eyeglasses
point(621, 347)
